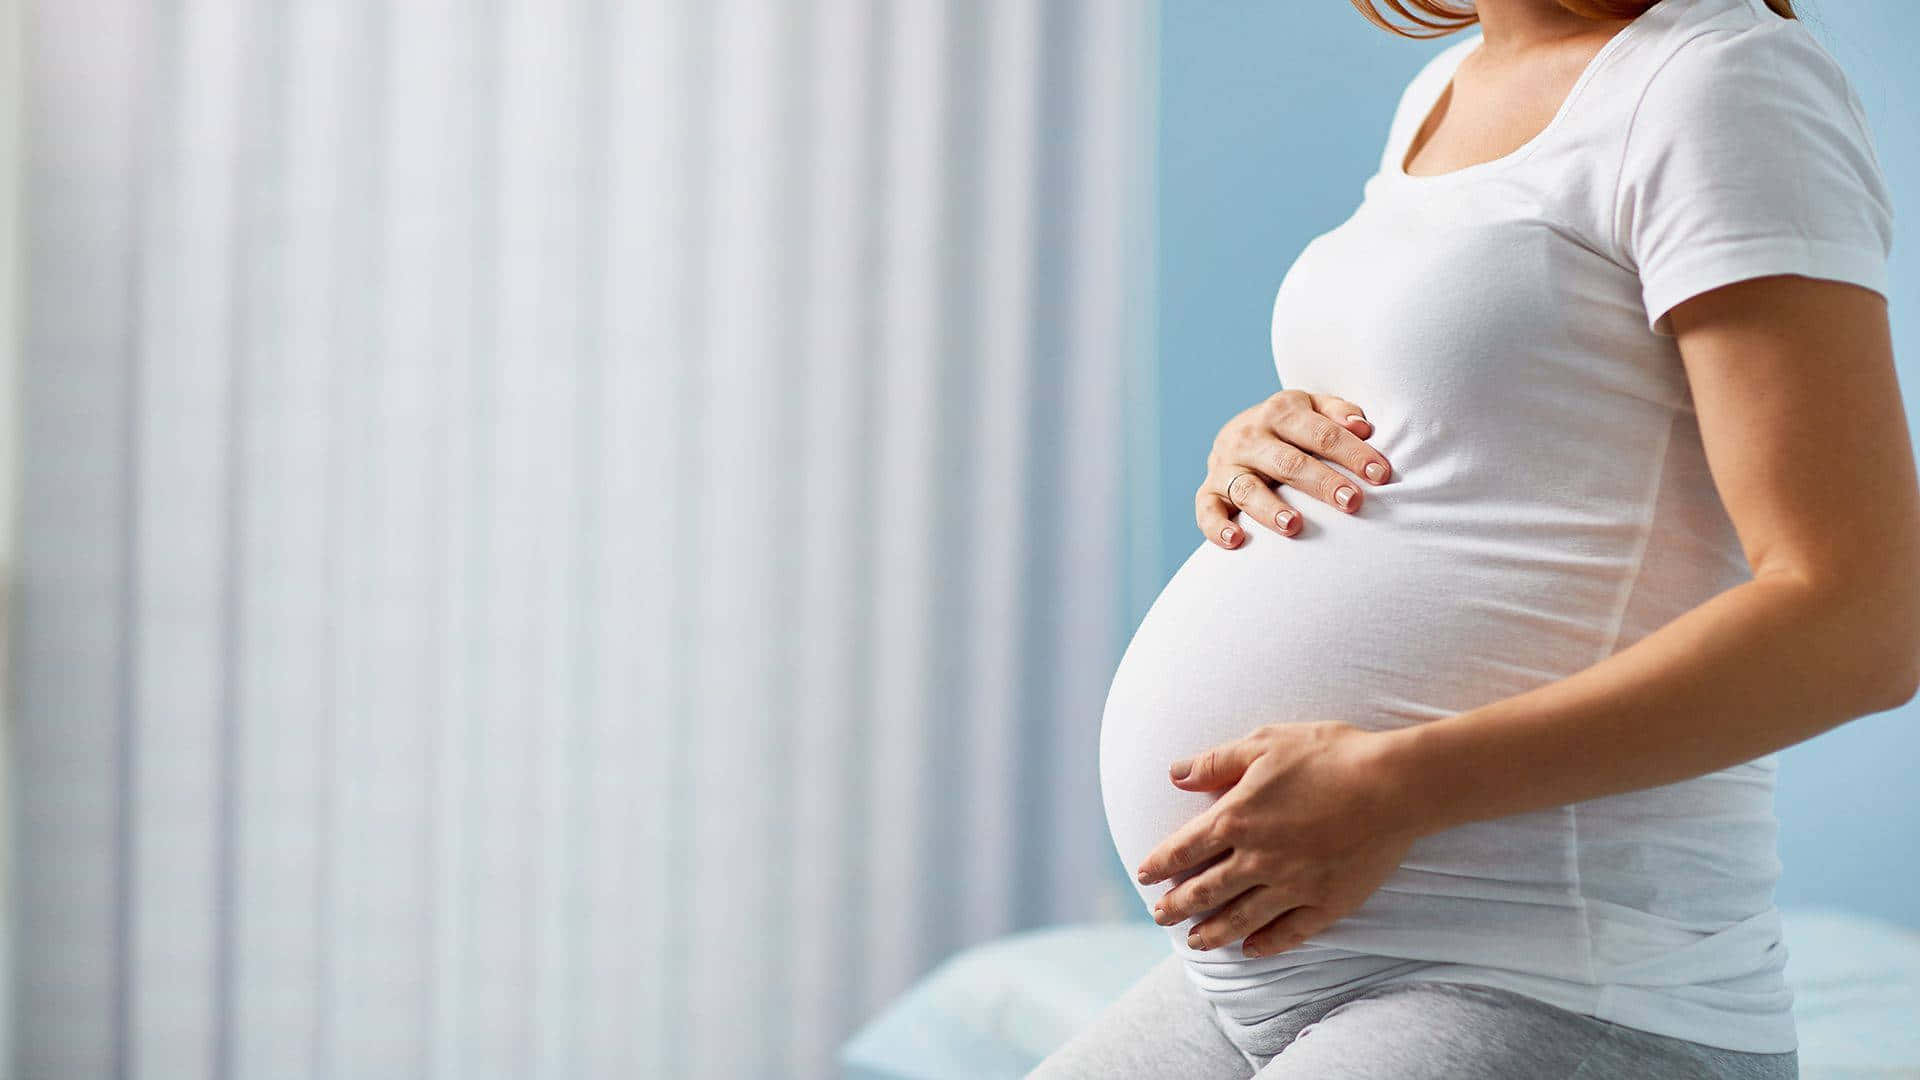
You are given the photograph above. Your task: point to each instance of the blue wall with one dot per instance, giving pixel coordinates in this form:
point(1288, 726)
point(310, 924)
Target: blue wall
point(1271, 116)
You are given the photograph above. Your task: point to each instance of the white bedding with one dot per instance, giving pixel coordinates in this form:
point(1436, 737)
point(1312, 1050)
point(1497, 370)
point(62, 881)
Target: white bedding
point(995, 1010)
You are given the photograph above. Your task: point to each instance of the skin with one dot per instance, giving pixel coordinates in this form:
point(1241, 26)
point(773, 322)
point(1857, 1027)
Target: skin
point(1503, 93)
point(1801, 417)
point(1282, 440)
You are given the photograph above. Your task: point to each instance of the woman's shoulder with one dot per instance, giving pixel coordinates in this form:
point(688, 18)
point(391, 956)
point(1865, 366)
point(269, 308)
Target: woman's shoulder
point(1745, 89)
point(1734, 62)
point(1746, 152)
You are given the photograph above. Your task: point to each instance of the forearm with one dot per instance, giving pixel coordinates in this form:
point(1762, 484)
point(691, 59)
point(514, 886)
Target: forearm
point(1759, 667)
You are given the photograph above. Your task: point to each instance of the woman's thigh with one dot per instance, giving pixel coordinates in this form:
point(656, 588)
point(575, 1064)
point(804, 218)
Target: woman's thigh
point(1430, 1030)
point(1160, 1027)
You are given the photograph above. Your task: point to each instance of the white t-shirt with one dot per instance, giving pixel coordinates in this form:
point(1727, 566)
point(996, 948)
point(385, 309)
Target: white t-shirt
point(1505, 327)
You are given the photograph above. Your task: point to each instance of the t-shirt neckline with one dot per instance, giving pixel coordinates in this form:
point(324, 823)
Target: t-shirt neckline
point(1396, 170)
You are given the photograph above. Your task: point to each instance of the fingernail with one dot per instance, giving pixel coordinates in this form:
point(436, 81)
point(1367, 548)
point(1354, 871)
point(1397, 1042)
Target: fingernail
point(1144, 877)
point(1194, 942)
point(1283, 518)
point(1250, 950)
point(1356, 417)
point(1344, 497)
point(1376, 472)
point(1159, 914)
point(1226, 535)
point(1181, 769)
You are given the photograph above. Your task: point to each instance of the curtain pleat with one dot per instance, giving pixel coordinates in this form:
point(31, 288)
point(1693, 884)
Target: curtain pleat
point(563, 539)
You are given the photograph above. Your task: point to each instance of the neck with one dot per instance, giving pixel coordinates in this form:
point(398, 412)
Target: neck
point(1514, 27)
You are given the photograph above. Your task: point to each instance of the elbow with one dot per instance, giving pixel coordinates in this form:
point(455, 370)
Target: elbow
point(1896, 674)
point(1869, 635)
point(1876, 685)
point(1903, 627)
point(1904, 680)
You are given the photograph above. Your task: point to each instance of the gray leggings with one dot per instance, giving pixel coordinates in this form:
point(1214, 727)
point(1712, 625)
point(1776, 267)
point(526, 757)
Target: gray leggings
point(1403, 1030)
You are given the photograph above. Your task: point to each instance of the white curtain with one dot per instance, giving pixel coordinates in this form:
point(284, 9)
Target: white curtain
point(11, 85)
point(564, 539)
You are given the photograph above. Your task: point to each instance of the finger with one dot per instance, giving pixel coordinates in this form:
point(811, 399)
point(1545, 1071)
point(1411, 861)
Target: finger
point(1206, 890)
point(1252, 493)
point(1283, 460)
point(1345, 412)
point(1215, 516)
point(1288, 931)
point(1188, 846)
point(1332, 441)
point(1245, 913)
point(1222, 766)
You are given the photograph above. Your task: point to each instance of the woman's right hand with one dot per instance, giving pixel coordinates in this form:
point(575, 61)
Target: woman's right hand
point(1281, 441)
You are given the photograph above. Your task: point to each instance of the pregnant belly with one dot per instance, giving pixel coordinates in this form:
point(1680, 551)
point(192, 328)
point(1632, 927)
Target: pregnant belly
point(1391, 617)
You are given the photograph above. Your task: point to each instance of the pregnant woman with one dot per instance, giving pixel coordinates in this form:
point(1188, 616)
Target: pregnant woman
point(1451, 753)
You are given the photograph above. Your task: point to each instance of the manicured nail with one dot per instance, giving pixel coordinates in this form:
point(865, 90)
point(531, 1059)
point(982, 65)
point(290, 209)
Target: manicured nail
point(1226, 535)
point(1356, 416)
point(1144, 877)
point(1284, 519)
point(1181, 769)
point(1376, 472)
point(1344, 497)
point(1159, 914)
point(1194, 942)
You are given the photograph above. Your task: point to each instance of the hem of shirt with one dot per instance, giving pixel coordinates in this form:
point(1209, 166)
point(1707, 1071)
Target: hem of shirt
point(1641, 1008)
point(1710, 267)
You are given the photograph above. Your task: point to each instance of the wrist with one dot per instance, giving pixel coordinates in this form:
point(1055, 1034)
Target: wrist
point(1410, 794)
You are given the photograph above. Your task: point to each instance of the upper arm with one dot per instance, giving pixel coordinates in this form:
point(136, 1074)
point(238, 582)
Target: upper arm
point(1752, 206)
point(1805, 433)
point(1747, 154)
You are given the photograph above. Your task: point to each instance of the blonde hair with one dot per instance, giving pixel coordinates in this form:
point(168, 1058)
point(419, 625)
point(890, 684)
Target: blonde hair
point(1440, 18)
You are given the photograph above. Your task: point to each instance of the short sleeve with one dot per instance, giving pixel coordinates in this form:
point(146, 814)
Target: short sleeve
point(1748, 155)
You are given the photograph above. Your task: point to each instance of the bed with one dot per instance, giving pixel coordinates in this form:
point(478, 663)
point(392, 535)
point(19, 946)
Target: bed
point(985, 1014)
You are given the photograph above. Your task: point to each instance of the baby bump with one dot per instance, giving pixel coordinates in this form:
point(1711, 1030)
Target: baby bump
point(1371, 620)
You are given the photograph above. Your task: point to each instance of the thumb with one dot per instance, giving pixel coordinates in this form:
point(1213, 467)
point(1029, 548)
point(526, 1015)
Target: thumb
point(1219, 767)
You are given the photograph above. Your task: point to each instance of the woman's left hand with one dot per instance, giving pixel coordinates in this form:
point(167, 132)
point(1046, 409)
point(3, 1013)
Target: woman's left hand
point(1306, 832)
